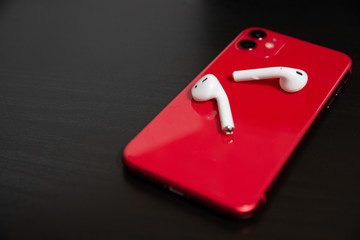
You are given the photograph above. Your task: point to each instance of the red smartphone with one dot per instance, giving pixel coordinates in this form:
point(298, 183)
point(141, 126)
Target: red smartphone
point(183, 147)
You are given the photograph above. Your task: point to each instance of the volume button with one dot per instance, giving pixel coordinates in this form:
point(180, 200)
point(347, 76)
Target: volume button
point(178, 192)
point(337, 92)
point(328, 105)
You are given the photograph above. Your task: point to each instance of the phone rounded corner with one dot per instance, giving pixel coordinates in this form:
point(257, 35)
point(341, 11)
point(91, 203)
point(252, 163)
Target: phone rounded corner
point(247, 211)
point(347, 59)
point(126, 156)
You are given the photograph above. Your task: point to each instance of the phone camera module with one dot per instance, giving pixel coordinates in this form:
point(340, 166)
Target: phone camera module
point(247, 44)
point(258, 34)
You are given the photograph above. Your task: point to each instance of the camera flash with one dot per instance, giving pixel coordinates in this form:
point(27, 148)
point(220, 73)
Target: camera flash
point(269, 45)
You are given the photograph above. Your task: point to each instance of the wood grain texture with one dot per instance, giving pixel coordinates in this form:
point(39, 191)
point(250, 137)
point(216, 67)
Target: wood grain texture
point(79, 79)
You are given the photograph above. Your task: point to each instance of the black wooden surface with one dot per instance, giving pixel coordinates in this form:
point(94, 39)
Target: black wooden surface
point(79, 79)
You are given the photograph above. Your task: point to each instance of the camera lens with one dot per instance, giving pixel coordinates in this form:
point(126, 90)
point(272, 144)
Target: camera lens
point(247, 44)
point(257, 34)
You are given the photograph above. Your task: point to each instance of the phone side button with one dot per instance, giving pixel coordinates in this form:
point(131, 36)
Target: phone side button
point(337, 92)
point(330, 102)
point(174, 190)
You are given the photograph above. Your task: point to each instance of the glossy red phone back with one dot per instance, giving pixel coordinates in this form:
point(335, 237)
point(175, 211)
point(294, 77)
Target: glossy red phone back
point(183, 147)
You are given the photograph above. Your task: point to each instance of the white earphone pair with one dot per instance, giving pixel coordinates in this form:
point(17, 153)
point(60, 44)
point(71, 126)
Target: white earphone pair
point(209, 87)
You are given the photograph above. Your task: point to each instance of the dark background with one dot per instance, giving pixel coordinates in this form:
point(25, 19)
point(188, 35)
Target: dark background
point(79, 79)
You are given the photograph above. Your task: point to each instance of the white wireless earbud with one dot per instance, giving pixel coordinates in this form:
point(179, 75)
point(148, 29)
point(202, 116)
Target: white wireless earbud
point(209, 87)
point(291, 79)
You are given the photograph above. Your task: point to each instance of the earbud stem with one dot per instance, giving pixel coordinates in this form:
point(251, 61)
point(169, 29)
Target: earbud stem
point(258, 74)
point(226, 119)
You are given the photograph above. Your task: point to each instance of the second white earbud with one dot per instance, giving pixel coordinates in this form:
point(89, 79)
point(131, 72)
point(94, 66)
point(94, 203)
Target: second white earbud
point(291, 79)
point(209, 87)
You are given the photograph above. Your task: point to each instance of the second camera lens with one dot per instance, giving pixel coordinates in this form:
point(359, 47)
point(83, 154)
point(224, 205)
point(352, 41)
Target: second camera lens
point(247, 44)
point(258, 34)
